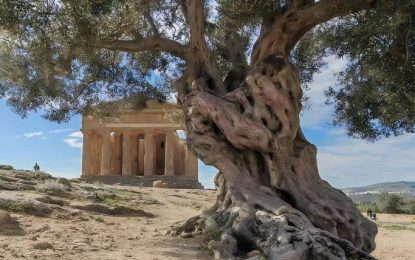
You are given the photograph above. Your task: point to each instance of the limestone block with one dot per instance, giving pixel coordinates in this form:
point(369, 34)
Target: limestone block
point(157, 184)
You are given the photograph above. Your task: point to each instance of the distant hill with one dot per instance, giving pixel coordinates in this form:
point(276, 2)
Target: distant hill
point(400, 187)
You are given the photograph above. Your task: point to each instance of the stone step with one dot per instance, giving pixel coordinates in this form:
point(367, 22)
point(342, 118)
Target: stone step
point(173, 181)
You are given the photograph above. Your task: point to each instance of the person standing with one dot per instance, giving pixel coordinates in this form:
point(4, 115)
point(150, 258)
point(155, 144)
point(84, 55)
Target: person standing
point(36, 168)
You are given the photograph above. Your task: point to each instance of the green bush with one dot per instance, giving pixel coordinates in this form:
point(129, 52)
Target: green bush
point(363, 207)
point(390, 203)
point(6, 167)
point(409, 207)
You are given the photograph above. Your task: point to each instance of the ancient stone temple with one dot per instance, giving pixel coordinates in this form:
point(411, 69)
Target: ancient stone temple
point(137, 148)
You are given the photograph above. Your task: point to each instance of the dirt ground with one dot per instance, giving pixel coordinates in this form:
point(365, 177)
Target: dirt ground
point(396, 237)
point(70, 232)
point(76, 230)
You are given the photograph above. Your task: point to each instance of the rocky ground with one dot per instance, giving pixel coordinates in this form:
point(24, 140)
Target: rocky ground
point(41, 218)
point(46, 218)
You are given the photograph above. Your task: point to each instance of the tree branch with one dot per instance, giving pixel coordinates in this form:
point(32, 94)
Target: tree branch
point(150, 20)
point(203, 61)
point(153, 43)
point(285, 32)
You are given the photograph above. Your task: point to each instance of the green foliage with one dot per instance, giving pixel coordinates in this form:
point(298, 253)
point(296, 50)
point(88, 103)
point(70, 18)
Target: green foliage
point(363, 207)
point(49, 60)
point(390, 203)
point(375, 95)
point(12, 206)
point(213, 234)
point(52, 56)
point(410, 206)
point(6, 167)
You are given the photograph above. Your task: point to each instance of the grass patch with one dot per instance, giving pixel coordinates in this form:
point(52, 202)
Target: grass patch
point(75, 180)
point(12, 207)
point(396, 227)
point(187, 204)
point(213, 234)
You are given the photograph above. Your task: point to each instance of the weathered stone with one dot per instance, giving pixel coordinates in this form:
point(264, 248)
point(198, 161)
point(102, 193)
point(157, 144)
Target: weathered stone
point(186, 235)
point(42, 229)
point(65, 182)
point(157, 184)
point(43, 246)
point(52, 200)
point(115, 211)
point(137, 143)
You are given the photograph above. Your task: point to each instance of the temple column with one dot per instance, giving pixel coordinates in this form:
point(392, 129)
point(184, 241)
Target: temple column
point(126, 155)
point(169, 154)
point(190, 165)
point(149, 154)
point(106, 153)
point(86, 154)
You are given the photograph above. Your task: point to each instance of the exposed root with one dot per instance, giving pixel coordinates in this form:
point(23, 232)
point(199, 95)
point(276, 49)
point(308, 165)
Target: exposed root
point(246, 229)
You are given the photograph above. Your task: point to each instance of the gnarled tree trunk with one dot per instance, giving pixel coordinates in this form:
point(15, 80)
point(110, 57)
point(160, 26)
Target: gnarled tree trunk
point(271, 199)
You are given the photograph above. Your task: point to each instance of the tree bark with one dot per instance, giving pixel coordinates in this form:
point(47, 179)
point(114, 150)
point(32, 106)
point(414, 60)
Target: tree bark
point(271, 200)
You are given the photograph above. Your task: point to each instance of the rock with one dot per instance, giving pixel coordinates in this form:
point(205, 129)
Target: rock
point(253, 253)
point(36, 209)
point(157, 184)
point(15, 186)
point(10, 226)
point(165, 185)
point(43, 246)
point(115, 211)
point(226, 248)
point(186, 235)
point(65, 182)
point(9, 179)
point(43, 228)
point(28, 207)
point(52, 200)
point(35, 237)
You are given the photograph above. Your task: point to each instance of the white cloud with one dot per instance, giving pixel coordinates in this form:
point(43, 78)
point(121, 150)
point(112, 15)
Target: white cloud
point(77, 134)
point(74, 139)
point(60, 130)
point(320, 113)
point(352, 162)
point(44, 138)
point(347, 162)
point(73, 142)
point(33, 134)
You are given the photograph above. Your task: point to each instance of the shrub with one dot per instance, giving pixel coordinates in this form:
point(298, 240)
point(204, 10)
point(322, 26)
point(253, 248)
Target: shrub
point(52, 185)
point(410, 206)
point(363, 207)
point(12, 207)
point(75, 180)
point(390, 203)
point(6, 167)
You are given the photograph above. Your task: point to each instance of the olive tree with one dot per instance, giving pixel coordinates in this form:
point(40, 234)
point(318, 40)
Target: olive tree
point(238, 68)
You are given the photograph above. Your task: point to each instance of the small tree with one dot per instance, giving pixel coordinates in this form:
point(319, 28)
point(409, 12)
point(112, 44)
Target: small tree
point(410, 205)
point(390, 203)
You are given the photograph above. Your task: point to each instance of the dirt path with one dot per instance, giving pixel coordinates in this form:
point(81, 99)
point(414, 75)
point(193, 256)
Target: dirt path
point(396, 237)
point(70, 233)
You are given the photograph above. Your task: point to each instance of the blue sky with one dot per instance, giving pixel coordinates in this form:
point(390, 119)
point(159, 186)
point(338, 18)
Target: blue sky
point(343, 161)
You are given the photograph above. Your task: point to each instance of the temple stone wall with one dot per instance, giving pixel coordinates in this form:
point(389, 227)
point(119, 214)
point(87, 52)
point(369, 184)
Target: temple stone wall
point(141, 144)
